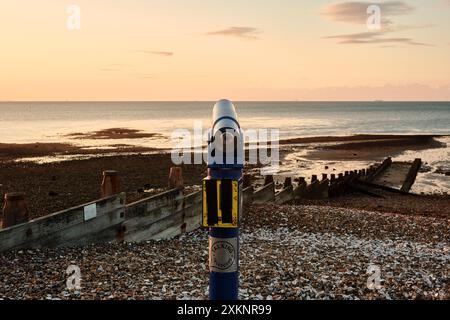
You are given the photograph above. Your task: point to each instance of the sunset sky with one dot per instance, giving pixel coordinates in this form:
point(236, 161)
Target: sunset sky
point(241, 50)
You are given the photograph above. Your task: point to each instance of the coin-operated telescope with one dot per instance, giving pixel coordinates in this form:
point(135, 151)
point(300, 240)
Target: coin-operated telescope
point(222, 200)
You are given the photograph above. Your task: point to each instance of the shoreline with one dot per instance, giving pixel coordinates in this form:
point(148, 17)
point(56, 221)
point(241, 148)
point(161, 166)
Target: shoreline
point(57, 185)
point(373, 148)
point(327, 148)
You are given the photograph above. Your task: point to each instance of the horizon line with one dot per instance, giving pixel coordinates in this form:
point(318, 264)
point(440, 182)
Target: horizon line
point(81, 101)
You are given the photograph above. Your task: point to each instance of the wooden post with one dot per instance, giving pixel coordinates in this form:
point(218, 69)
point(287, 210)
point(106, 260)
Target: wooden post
point(110, 183)
point(380, 169)
point(285, 195)
point(341, 175)
point(15, 209)
point(268, 180)
point(246, 180)
point(324, 176)
point(313, 178)
point(300, 191)
point(247, 195)
point(332, 191)
point(264, 194)
point(176, 178)
point(287, 182)
point(324, 189)
point(412, 175)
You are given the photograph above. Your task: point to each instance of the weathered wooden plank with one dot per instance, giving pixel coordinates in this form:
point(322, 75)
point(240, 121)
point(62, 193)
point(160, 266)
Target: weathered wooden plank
point(300, 190)
point(193, 223)
point(195, 209)
point(382, 187)
point(146, 206)
point(285, 195)
point(41, 231)
point(317, 190)
point(196, 197)
point(364, 189)
point(141, 215)
point(264, 194)
point(102, 229)
point(154, 229)
point(180, 213)
point(165, 228)
point(412, 175)
point(247, 195)
point(383, 167)
point(173, 227)
point(323, 189)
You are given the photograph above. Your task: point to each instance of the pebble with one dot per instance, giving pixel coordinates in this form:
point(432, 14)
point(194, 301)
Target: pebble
point(287, 252)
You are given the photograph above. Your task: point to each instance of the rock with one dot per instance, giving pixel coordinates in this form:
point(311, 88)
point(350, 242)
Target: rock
point(287, 252)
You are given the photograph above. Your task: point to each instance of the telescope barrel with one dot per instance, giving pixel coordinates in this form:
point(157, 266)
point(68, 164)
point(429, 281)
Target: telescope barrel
point(222, 201)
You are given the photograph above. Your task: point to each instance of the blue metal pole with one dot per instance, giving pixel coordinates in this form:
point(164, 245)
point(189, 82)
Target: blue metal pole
point(224, 251)
point(222, 201)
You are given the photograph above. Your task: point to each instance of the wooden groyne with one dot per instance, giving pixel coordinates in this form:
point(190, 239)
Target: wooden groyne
point(108, 219)
point(170, 213)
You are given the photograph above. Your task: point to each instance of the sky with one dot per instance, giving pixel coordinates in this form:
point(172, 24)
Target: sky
point(141, 50)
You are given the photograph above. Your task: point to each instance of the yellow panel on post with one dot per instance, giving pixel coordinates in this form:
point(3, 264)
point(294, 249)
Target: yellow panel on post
point(220, 203)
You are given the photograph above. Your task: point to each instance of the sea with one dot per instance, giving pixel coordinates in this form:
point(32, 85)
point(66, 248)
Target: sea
point(29, 122)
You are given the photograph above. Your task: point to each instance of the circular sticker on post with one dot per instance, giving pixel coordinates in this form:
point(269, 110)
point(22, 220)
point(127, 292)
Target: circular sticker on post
point(223, 254)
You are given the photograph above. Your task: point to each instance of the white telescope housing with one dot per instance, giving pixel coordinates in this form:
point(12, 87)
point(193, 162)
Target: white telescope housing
point(226, 137)
point(224, 116)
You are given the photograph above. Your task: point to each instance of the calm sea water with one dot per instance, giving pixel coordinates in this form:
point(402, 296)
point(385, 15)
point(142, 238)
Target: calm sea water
point(52, 121)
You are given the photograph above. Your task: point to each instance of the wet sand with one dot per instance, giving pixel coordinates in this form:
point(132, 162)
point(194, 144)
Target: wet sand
point(357, 147)
point(358, 138)
point(364, 147)
point(59, 185)
point(113, 133)
point(12, 151)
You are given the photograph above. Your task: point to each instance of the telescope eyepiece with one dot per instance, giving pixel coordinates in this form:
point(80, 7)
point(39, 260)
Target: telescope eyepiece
point(224, 116)
point(226, 138)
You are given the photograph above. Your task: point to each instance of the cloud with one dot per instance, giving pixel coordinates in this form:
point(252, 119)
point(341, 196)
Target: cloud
point(158, 53)
point(248, 33)
point(355, 12)
point(112, 67)
point(374, 38)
